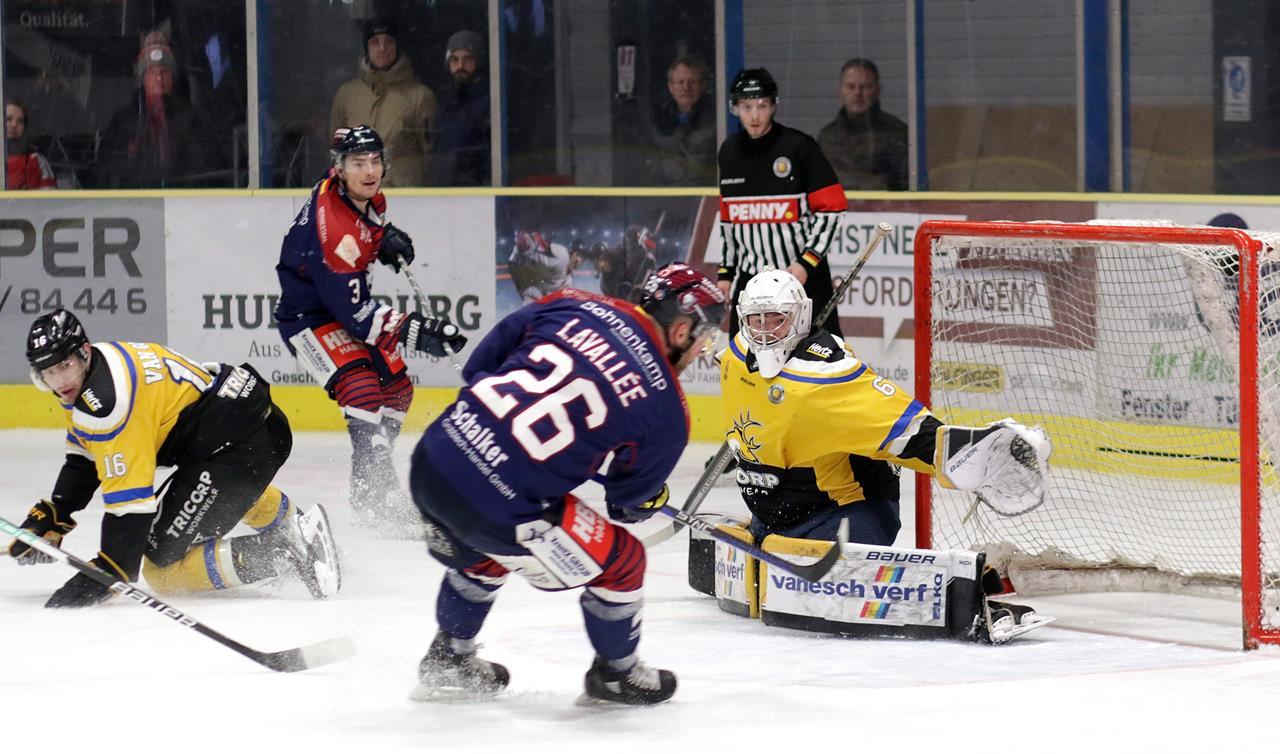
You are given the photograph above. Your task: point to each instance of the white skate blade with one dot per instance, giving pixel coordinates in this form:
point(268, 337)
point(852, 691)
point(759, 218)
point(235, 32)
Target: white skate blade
point(325, 565)
point(448, 695)
point(1005, 630)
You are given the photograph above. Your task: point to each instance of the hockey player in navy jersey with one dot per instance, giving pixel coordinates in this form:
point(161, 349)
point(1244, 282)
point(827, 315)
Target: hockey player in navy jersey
point(552, 391)
point(348, 341)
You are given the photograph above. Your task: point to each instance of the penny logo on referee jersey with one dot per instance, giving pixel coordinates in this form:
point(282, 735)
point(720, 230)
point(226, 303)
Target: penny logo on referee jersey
point(782, 167)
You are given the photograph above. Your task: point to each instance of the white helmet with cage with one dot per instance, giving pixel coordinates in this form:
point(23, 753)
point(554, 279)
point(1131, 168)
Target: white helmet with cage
point(774, 314)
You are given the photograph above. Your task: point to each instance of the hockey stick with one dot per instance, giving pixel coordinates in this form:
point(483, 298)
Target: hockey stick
point(811, 572)
point(722, 457)
point(417, 291)
point(715, 467)
point(285, 661)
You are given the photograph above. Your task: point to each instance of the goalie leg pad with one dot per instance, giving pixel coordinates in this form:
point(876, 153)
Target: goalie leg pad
point(875, 592)
point(723, 572)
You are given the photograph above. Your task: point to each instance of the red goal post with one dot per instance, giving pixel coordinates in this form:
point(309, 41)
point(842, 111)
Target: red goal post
point(1138, 346)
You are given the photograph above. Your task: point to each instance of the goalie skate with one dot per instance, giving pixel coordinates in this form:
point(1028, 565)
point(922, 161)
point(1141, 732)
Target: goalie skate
point(1006, 621)
point(311, 552)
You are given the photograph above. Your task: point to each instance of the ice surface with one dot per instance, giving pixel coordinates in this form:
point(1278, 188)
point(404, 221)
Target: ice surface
point(118, 676)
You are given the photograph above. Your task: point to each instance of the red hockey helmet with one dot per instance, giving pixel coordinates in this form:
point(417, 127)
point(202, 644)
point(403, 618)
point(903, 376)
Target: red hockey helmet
point(679, 289)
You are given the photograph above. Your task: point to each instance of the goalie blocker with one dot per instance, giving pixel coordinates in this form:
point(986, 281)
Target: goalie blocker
point(872, 592)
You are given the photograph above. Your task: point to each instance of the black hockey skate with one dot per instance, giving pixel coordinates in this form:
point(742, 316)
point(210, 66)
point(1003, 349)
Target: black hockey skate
point(445, 675)
point(641, 685)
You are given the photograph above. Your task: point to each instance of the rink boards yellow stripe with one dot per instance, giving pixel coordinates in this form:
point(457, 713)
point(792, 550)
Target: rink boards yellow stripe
point(1146, 450)
point(309, 409)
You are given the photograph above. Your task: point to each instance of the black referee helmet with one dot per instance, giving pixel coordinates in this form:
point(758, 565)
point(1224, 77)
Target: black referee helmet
point(753, 83)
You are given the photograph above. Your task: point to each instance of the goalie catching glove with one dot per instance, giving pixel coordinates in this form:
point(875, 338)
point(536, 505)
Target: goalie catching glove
point(396, 248)
point(1004, 463)
point(424, 334)
point(43, 521)
point(642, 512)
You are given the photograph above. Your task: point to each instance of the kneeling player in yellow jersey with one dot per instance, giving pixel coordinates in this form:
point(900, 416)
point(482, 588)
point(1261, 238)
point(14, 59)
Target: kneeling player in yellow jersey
point(134, 406)
point(818, 433)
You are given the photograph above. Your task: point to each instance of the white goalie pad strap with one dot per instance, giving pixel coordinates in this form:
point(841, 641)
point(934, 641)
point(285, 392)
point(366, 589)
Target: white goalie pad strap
point(1005, 464)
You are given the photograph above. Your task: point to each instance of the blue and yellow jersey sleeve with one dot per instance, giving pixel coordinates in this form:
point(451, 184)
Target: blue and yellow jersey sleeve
point(824, 402)
point(131, 402)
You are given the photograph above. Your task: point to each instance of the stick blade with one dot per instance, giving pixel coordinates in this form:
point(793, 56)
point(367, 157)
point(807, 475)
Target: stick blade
point(311, 656)
point(815, 571)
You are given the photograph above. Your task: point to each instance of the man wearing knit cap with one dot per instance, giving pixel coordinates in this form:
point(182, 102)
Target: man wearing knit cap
point(461, 133)
point(388, 97)
point(157, 140)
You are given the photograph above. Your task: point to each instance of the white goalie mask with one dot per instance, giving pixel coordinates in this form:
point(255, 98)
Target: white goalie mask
point(774, 314)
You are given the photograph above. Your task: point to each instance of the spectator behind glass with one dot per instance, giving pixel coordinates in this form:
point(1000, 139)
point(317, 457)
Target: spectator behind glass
point(682, 138)
point(156, 140)
point(25, 169)
point(387, 97)
point(460, 136)
point(866, 146)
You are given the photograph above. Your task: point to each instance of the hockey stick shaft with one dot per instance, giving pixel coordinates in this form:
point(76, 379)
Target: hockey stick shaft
point(811, 572)
point(284, 661)
point(417, 291)
point(882, 230)
point(723, 456)
point(697, 496)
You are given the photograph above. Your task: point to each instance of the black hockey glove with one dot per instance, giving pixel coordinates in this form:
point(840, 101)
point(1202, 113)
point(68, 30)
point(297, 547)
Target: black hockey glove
point(42, 521)
point(430, 335)
point(82, 591)
point(396, 247)
point(641, 512)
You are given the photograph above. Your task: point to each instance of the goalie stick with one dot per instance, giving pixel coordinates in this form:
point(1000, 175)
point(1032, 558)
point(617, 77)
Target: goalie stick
point(811, 572)
point(284, 661)
point(719, 462)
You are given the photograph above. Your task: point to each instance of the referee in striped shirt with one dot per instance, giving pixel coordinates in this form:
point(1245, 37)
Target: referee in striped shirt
point(780, 200)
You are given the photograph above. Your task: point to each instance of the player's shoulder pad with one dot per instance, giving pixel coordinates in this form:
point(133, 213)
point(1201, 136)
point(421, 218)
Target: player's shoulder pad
point(821, 347)
point(347, 244)
point(108, 373)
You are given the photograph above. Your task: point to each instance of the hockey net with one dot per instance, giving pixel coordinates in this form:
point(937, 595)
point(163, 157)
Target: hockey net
point(1150, 353)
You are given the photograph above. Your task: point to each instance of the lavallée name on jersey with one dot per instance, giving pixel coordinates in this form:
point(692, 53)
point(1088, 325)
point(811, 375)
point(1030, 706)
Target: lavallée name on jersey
point(775, 209)
point(592, 345)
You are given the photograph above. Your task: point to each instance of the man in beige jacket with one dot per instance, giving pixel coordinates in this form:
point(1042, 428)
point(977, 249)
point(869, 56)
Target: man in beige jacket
point(388, 97)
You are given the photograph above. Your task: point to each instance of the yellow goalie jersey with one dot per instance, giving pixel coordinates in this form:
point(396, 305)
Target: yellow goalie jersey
point(127, 410)
point(821, 433)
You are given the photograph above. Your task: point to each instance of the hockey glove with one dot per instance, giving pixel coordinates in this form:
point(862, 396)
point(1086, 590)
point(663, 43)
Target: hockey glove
point(42, 521)
point(430, 335)
point(82, 591)
point(642, 512)
point(396, 247)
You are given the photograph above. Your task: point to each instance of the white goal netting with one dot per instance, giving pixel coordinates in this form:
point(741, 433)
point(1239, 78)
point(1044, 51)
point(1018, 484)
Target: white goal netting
point(1127, 353)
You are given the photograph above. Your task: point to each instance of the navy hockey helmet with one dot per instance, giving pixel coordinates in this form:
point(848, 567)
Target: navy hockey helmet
point(359, 139)
point(753, 83)
point(53, 337)
point(679, 289)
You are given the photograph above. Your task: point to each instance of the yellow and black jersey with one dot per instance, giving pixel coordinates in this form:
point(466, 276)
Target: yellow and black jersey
point(822, 433)
point(129, 406)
